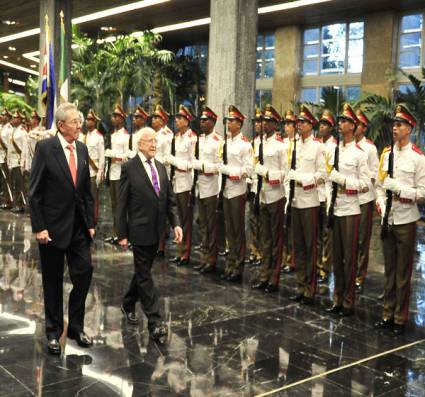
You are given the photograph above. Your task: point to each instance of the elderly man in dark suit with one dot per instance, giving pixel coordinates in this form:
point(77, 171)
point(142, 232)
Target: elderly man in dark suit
point(62, 216)
point(146, 199)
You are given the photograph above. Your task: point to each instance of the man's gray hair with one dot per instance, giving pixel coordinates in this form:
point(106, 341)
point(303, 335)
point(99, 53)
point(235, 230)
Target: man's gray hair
point(63, 110)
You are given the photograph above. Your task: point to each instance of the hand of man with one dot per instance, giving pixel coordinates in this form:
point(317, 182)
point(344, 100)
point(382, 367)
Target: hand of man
point(178, 234)
point(43, 237)
point(123, 243)
point(391, 184)
point(337, 177)
point(378, 208)
point(92, 233)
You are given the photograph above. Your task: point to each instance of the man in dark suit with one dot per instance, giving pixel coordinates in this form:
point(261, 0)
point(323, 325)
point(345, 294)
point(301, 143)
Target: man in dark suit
point(145, 200)
point(62, 216)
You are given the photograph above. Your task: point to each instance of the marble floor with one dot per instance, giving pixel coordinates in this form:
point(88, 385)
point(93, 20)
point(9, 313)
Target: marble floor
point(224, 339)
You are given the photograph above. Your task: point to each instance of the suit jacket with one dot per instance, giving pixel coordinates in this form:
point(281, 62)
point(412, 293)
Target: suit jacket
point(54, 201)
point(141, 214)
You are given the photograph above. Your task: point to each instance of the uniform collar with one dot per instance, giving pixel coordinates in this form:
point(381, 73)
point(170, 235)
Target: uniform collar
point(64, 143)
point(405, 147)
point(352, 143)
point(236, 137)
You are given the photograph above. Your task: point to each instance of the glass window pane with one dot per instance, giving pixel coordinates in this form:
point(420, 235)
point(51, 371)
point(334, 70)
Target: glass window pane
point(355, 48)
point(311, 51)
point(309, 95)
point(310, 67)
point(260, 40)
point(262, 97)
point(258, 67)
point(355, 64)
point(410, 39)
point(311, 35)
point(411, 22)
point(356, 30)
point(404, 88)
point(269, 41)
point(352, 93)
point(410, 58)
point(331, 66)
point(268, 70)
point(335, 32)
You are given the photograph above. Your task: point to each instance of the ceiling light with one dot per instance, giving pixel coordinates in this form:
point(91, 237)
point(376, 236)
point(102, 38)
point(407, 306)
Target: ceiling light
point(14, 66)
point(17, 82)
point(182, 25)
point(11, 48)
point(9, 22)
point(33, 66)
point(20, 35)
point(5, 56)
point(32, 56)
point(108, 28)
point(289, 6)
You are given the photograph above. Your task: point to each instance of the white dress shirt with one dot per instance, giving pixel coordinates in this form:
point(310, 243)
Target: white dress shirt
point(144, 161)
point(67, 152)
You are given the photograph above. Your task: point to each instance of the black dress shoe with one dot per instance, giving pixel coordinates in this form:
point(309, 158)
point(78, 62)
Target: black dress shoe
point(54, 347)
point(322, 279)
point(223, 253)
point(333, 309)
point(381, 297)
point(296, 298)
point(288, 269)
point(108, 239)
point(359, 288)
point(176, 259)
point(199, 266)
point(398, 329)
point(160, 254)
point(224, 275)
point(115, 241)
point(17, 210)
point(346, 312)
point(81, 338)
point(158, 332)
point(307, 301)
point(262, 285)
point(183, 262)
point(271, 288)
point(208, 268)
point(235, 277)
point(130, 316)
point(384, 323)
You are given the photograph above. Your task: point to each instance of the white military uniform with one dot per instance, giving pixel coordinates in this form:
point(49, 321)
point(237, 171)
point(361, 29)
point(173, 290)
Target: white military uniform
point(6, 132)
point(352, 165)
point(373, 163)
point(34, 136)
point(239, 163)
point(96, 148)
point(409, 172)
point(18, 137)
point(182, 161)
point(208, 165)
point(275, 165)
point(309, 170)
point(164, 138)
point(119, 152)
point(328, 147)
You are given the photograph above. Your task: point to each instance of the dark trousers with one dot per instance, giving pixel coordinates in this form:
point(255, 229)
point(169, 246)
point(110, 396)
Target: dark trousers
point(80, 268)
point(365, 234)
point(95, 193)
point(208, 224)
point(254, 231)
point(345, 250)
point(271, 227)
point(141, 286)
point(185, 211)
point(4, 183)
point(17, 181)
point(399, 251)
point(324, 243)
point(304, 230)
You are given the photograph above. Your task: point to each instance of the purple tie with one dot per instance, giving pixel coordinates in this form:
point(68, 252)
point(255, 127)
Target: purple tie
point(154, 178)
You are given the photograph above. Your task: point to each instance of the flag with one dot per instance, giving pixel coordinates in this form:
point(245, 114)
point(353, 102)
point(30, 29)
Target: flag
point(63, 76)
point(48, 82)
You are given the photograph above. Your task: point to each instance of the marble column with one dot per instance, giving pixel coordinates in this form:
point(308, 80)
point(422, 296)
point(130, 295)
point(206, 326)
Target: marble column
point(232, 57)
point(287, 77)
point(380, 50)
point(52, 9)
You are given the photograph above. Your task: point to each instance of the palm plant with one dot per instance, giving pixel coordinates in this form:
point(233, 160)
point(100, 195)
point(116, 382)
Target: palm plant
point(13, 102)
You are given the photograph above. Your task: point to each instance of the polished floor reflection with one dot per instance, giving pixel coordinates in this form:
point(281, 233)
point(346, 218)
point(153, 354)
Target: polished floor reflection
point(225, 339)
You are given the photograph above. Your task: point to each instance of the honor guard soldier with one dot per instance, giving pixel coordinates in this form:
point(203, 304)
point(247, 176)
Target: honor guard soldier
point(96, 148)
point(5, 133)
point(236, 167)
point(349, 177)
point(309, 173)
point(117, 155)
point(327, 125)
point(271, 163)
point(140, 120)
point(208, 189)
point(17, 142)
point(400, 186)
point(290, 128)
point(366, 199)
point(254, 219)
point(185, 140)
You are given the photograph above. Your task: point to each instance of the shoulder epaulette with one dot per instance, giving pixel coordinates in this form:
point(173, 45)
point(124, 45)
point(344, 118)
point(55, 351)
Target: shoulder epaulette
point(334, 140)
point(192, 134)
point(358, 147)
point(125, 131)
point(279, 138)
point(244, 138)
point(99, 133)
point(369, 141)
point(317, 139)
point(416, 149)
point(216, 136)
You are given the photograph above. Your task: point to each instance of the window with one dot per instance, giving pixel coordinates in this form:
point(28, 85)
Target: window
point(311, 94)
point(410, 42)
point(265, 56)
point(262, 98)
point(333, 49)
point(198, 52)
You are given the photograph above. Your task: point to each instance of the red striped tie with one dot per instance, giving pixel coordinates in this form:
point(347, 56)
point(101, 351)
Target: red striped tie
point(72, 164)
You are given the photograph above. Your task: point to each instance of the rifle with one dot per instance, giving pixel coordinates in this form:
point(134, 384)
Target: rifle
point(389, 203)
point(223, 176)
point(6, 181)
point(291, 184)
point(334, 186)
point(260, 178)
point(173, 146)
point(108, 162)
point(196, 172)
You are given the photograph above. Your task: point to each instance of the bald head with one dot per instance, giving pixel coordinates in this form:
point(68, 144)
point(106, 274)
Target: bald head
point(147, 142)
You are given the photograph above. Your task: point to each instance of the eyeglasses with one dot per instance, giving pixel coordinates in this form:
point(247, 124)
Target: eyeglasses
point(150, 141)
point(74, 121)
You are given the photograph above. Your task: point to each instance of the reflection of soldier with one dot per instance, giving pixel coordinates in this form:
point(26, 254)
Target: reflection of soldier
point(5, 133)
